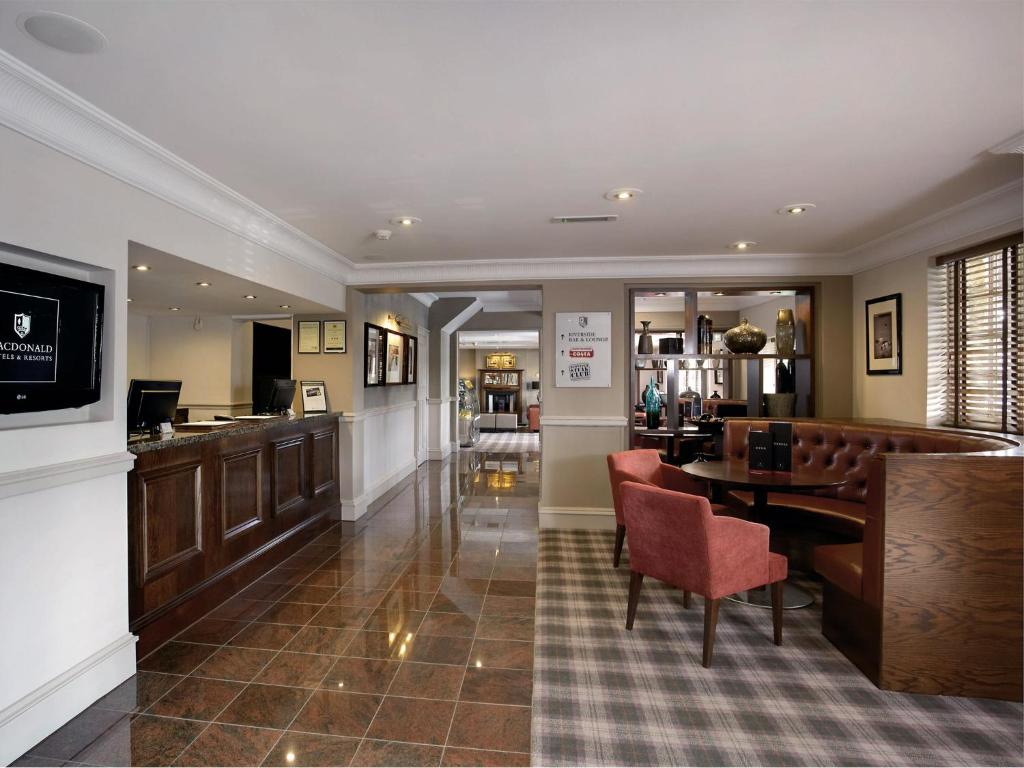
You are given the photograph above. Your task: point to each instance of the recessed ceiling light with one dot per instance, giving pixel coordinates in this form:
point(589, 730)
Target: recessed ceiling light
point(63, 32)
point(284, 306)
point(742, 245)
point(141, 268)
point(775, 293)
point(623, 193)
point(719, 293)
point(249, 296)
point(129, 299)
point(795, 209)
point(203, 284)
point(175, 309)
point(405, 221)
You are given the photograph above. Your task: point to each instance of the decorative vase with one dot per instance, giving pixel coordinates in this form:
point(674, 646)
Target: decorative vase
point(652, 405)
point(645, 346)
point(785, 333)
point(745, 339)
point(780, 405)
point(704, 335)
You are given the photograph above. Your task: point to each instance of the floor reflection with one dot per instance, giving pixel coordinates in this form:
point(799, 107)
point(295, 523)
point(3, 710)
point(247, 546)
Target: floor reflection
point(405, 638)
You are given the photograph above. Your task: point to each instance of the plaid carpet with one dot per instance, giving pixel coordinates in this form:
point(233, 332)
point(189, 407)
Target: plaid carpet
point(508, 442)
point(604, 696)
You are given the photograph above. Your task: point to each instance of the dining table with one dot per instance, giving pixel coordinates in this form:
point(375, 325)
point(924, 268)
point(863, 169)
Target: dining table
point(738, 476)
point(674, 437)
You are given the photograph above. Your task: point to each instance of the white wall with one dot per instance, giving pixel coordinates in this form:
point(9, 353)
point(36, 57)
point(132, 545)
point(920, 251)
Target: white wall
point(138, 346)
point(63, 506)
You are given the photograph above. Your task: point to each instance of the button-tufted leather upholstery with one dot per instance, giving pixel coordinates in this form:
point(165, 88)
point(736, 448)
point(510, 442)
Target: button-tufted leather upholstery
point(854, 509)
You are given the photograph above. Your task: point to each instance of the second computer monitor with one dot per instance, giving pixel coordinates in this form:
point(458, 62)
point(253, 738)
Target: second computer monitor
point(273, 396)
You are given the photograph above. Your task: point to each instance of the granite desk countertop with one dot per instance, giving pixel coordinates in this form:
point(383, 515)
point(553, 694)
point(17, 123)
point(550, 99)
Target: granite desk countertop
point(181, 437)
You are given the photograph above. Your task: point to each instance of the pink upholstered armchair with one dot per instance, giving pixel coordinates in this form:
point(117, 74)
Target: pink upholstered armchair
point(675, 538)
point(646, 466)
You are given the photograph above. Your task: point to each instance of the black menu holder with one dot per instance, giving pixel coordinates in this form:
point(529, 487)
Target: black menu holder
point(759, 451)
point(782, 446)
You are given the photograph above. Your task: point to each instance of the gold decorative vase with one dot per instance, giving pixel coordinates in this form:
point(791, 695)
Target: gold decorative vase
point(745, 339)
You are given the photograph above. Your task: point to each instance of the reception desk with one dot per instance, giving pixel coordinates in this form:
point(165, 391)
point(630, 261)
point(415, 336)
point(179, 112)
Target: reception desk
point(209, 512)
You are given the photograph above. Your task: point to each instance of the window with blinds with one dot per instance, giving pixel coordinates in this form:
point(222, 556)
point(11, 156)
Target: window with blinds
point(984, 336)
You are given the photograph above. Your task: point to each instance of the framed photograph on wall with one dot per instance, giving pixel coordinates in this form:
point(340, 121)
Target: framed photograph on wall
point(335, 337)
point(309, 337)
point(883, 335)
point(395, 358)
point(410, 360)
point(314, 397)
point(374, 365)
point(719, 376)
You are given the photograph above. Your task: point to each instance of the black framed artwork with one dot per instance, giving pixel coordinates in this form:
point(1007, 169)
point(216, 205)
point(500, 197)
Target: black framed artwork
point(373, 343)
point(883, 335)
point(410, 360)
point(391, 357)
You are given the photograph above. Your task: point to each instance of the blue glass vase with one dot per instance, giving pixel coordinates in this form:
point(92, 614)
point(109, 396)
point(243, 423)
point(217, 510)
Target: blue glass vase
point(652, 405)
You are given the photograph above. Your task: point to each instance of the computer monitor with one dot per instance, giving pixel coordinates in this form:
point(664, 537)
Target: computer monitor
point(151, 403)
point(272, 396)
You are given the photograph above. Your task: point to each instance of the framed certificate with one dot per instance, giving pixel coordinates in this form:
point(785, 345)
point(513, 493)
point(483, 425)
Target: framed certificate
point(309, 337)
point(314, 397)
point(335, 336)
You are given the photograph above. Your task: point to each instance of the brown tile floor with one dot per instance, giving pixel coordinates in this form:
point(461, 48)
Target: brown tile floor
point(407, 640)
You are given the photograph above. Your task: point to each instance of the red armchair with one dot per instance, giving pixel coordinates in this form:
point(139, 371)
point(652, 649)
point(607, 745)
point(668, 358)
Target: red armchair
point(646, 466)
point(675, 538)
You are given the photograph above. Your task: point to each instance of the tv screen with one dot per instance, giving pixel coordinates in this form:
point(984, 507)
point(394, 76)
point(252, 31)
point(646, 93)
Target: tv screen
point(51, 330)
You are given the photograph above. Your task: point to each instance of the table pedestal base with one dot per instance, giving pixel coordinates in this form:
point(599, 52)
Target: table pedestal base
point(792, 597)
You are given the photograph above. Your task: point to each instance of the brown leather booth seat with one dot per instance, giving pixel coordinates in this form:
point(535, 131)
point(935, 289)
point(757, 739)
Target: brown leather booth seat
point(929, 556)
point(846, 450)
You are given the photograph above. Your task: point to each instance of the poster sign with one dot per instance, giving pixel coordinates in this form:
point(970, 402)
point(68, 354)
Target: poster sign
point(314, 397)
point(583, 349)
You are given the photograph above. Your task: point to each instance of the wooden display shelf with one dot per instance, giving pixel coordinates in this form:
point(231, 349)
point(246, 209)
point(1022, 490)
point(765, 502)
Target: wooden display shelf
point(726, 356)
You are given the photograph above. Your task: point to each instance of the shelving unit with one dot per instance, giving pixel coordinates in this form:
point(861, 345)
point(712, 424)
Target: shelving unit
point(802, 360)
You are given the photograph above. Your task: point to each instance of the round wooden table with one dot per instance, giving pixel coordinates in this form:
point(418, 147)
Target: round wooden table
point(734, 474)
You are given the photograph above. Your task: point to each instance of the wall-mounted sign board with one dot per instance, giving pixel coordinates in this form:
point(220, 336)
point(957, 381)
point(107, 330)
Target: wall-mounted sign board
point(583, 349)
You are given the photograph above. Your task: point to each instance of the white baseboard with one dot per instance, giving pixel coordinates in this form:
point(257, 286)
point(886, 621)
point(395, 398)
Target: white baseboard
point(439, 454)
point(36, 715)
point(353, 509)
point(580, 518)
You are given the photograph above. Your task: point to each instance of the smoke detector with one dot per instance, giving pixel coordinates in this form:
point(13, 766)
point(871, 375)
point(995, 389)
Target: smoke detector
point(382, 234)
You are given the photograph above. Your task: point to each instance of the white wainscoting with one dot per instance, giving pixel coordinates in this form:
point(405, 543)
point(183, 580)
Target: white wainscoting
point(439, 409)
point(386, 453)
point(583, 518)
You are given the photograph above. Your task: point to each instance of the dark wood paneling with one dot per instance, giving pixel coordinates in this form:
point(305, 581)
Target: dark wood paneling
point(241, 491)
point(200, 517)
point(325, 461)
point(171, 511)
point(288, 478)
point(952, 596)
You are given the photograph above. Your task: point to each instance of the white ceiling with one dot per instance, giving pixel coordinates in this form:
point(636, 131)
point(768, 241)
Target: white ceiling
point(499, 339)
point(171, 282)
point(486, 119)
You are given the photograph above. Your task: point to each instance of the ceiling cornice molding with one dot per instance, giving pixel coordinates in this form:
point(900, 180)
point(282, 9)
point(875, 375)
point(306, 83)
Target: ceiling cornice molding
point(596, 267)
point(986, 216)
point(426, 299)
point(43, 110)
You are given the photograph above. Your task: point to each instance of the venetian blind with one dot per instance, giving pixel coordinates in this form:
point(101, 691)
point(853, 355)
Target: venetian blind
point(984, 335)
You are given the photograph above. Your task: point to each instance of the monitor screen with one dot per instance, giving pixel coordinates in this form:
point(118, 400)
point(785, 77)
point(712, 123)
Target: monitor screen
point(272, 395)
point(151, 403)
point(51, 330)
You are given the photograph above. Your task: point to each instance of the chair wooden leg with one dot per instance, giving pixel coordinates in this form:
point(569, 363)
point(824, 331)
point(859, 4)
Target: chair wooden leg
point(777, 611)
point(620, 536)
point(636, 580)
point(710, 622)
point(686, 599)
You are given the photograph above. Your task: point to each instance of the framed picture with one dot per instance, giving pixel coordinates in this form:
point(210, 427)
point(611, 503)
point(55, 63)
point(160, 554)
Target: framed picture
point(395, 358)
point(374, 364)
point(335, 337)
point(314, 397)
point(883, 335)
point(309, 337)
point(719, 376)
point(410, 360)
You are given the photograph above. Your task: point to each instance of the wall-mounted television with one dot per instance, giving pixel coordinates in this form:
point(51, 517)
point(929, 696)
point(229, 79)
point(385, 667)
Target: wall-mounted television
point(51, 331)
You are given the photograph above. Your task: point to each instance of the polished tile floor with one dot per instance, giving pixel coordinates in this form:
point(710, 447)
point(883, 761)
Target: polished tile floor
point(407, 640)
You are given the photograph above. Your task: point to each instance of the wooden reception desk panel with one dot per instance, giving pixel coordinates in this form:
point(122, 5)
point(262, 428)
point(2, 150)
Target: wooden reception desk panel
point(210, 512)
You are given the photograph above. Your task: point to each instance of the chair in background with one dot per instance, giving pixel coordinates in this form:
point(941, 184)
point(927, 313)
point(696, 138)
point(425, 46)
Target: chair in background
point(675, 538)
point(646, 466)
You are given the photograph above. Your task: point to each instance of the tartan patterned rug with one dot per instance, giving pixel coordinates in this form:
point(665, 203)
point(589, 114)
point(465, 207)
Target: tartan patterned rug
point(508, 442)
point(605, 696)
